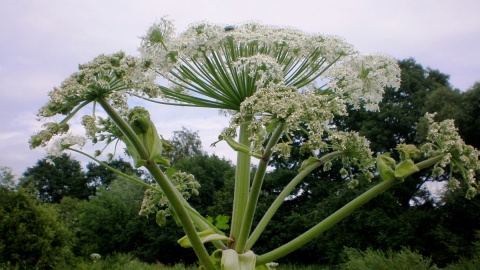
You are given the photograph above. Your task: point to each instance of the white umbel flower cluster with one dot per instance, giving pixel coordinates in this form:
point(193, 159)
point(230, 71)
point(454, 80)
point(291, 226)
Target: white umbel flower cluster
point(362, 79)
point(268, 75)
point(59, 145)
point(280, 102)
point(207, 58)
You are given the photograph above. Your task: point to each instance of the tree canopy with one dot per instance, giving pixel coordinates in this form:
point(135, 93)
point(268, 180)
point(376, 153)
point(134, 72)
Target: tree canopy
point(53, 178)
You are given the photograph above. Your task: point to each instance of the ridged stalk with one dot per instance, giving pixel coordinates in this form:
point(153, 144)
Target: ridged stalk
point(242, 184)
point(256, 188)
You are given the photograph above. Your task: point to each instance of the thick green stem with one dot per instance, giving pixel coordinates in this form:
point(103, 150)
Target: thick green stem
point(337, 216)
point(176, 201)
point(242, 184)
point(286, 192)
point(429, 162)
point(255, 189)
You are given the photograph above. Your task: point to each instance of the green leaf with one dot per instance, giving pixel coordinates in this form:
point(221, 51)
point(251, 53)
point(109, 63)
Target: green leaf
point(170, 171)
point(240, 147)
point(385, 166)
point(221, 222)
point(162, 161)
point(205, 236)
point(405, 168)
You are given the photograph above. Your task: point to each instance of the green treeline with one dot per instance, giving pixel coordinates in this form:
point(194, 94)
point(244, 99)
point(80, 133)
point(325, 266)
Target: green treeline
point(60, 213)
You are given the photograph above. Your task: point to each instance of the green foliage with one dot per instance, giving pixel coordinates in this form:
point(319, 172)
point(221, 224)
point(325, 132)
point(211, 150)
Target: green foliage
point(220, 222)
point(7, 179)
point(98, 175)
point(123, 262)
point(109, 223)
point(465, 264)
point(379, 260)
point(457, 227)
point(104, 222)
point(301, 267)
point(184, 143)
point(31, 234)
point(213, 174)
point(53, 181)
point(469, 125)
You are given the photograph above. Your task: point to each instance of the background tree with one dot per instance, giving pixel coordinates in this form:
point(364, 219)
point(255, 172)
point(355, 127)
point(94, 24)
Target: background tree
point(104, 221)
point(185, 143)
point(53, 181)
point(470, 125)
point(7, 179)
point(463, 107)
point(212, 173)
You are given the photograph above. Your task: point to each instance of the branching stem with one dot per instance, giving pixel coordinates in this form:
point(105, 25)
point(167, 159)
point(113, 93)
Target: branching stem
point(256, 187)
point(165, 184)
point(337, 216)
point(284, 194)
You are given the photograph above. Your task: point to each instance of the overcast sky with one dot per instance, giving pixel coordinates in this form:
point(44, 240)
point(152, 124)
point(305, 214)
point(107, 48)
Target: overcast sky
point(42, 42)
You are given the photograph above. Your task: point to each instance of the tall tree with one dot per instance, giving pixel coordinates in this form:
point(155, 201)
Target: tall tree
point(7, 179)
point(185, 143)
point(212, 173)
point(53, 178)
point(470, 125)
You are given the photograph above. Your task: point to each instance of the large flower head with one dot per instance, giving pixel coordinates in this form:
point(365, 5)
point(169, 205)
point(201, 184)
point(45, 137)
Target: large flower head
point(265, 75)
point(219, 67)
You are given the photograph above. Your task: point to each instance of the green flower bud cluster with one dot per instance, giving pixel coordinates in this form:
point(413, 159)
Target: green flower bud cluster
point(356, 153)
point(462, 159)
point(155, 202)
point(355, 148)
point(142, 125)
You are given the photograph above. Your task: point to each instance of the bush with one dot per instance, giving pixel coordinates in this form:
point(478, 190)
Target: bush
point(465, 264)
point(379, 260)
point(31, 235)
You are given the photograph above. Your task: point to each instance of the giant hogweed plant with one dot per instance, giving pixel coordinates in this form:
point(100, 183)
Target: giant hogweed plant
point(271, 82)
